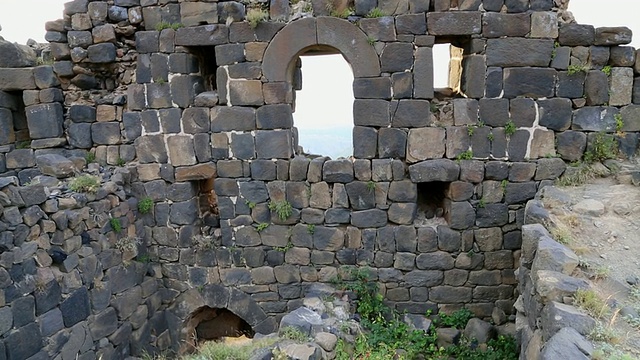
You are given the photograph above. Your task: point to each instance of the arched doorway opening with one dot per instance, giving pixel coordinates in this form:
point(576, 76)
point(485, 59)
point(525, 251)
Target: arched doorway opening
point(213, 324)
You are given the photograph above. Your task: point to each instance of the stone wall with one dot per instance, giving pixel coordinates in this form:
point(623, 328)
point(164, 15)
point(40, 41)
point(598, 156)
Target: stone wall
point(197, 103)
point(549, 326)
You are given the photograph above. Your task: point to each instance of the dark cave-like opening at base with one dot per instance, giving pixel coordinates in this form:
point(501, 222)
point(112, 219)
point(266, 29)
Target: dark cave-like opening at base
point(213, 324)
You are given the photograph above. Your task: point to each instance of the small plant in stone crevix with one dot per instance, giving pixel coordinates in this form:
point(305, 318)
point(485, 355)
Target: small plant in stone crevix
point(167, 25)
point(255, 16)
point(203, 242)
point(116, 225)
point(376, 12)
point(457, 319)
point(311, 229)
point(577, 68)
point(128, 243)
point(120, 162)
point(465, 155)
point(482, 203)
point(371, 40)
point(371, 186)
point(292, 333)
point(490, 136)
point(250, 204)
point(145, 205)
point(510, 128)
point(607, 70)
point(619, 123)
point(603, 147)
point(284, 249)
point(262, 226)
point(470, 130)
point(282, 208)
point(85, 184)
point(90, 157)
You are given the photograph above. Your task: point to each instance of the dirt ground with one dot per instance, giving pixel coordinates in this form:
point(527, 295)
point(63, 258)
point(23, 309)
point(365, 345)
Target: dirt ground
point(600, 222)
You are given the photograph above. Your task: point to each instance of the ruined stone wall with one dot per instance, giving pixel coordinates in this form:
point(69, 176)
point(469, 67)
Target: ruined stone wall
point(197, 103)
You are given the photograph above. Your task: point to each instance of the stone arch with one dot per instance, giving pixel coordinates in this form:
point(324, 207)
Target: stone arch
point(319, 33)
point(215, 296)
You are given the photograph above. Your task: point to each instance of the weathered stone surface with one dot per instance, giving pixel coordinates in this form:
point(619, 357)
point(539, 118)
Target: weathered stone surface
point(612, 36)
point(576, 35)
point(567, 343)
point(498, 25)
point(14, 55)
point(519, 52)
point(594, 118)
point(45, 120)
point(418, 149)
point(76, 307)
point(434, 170)
point(528, 81)
point(555, 114)
point(454, 23)
point(202, 35)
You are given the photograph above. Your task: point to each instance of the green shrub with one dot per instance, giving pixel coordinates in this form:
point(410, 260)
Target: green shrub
point(90, 157)
point(458, 319)
point(603, 147)
point(510, 128)
point(256, 16)
point(145, 205)
point(85, 184)
point(116, 225)
point(375, 13)
point(282, 208)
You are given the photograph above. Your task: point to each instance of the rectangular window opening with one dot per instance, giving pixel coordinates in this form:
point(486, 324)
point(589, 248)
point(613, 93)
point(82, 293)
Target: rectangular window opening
point(433, 204)
point(208, 202)
point(13, 118)
point(207, 64)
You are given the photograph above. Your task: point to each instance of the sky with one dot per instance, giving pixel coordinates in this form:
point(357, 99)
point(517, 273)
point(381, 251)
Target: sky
point(325, 101)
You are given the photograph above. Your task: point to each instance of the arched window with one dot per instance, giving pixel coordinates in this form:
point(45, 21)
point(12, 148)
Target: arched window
point(323, 113)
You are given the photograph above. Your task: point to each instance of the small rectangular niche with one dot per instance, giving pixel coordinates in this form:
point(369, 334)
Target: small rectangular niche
point(208, 202)
point(447, 68)
point(433, 204)
point(207, 64)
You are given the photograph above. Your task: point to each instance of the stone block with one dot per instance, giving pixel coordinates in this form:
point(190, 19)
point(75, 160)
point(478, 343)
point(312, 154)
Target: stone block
point(493, 82)
point(571, 145)
point(338, 171)
point(423, 73)
point(147, 41)
point(544, 24)
point(576, 35)
point(372, 218)
point(372, 88)
point(529, 82)
point(620, 86)
point(555, 114)
point(371, 113)
point(45, 120)
point(105, 133)
point(159, 96)
point(193, 13)
point(380, 29)
point(236, 118)
point(181, 151)
point(425, 143)
point(45, 77)
point(17, 79)
point(24, 342)
point(458, 141)
point(594, 118)
point(622, 56)
point(415, 24)
point(396, 57)
point(184, 89)
point(542, 144)
point(272, 144)
point(274, 116)
point(411, 113)
point(494, 112)
point(509, 52)
point(495, 25)
point(492, 215)
point(608, 36)
point(570, 86)
point(392, 143)
point(203, 35)
point(101, 53)
point(444, 170)
point(454, 23)
point(523, 112)
point(245, 92)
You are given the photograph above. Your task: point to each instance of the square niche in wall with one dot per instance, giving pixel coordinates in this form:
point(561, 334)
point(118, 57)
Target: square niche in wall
point(433, 204)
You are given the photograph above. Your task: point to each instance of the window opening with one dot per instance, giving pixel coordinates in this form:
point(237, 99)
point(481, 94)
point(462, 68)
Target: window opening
point(433, 204)
point(213, 324)
point(447, 69)
point(323, 109)
point(208, 202)
point(207, 64)
point(13, 118)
